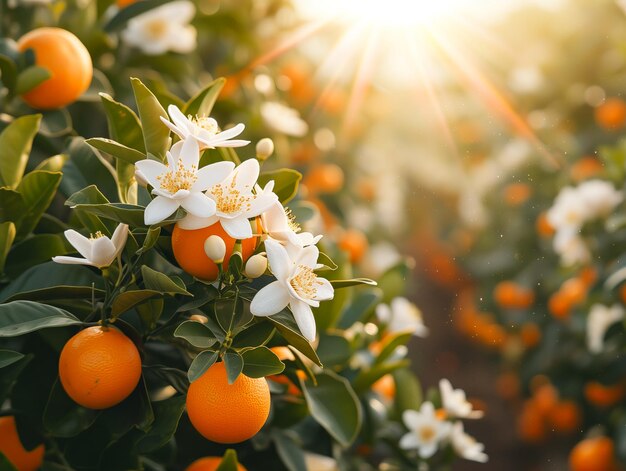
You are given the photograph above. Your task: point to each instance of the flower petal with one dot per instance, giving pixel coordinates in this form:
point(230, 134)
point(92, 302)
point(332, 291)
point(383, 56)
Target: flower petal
point(159, 209)
point(409, 441)
point(233, 143)
point(185, 40)
point(119, 237)
point(189, 154)
point(323, 290)
point(304, 318)
point(211, 175)
point(175, 129)
point(260, 204)
point(199, 205)
point(411, 419)
point(80, 242)
point(180, 120)
point(246, 175)
point(237, 228)
point(103, 252)
point(281, 265)
point(150, 170)
point(71, 260)
point(308, 256)
point(271, 299)
point(191, 222)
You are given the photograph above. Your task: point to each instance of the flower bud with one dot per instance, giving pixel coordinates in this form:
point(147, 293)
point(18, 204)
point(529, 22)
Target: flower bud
point(256, 266)
point(264, 148)
point(198, 318)
point(215, 248)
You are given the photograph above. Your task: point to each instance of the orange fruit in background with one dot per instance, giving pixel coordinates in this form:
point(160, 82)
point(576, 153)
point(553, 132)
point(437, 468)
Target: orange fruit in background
point(559, 306)
point(125, 3)
point(602, 395)
point(99, 367)
point(227, 413)
point(611, 115)
point(575, 290)
point(543, 226)
point(11, 447)
point(188, 247)
point(517, 194)
point(584, 168)
point(209, 463)
point(355, 244)
point(545, 398)
point(508, 385)
point(530, 424)
point(592, 454)
point(510, 295)
point(565, 416)
point(68, 61)
point(385, 387)
point(530, 334)
point(324, 178)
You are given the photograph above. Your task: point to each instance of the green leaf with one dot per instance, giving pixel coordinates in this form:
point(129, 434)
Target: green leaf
point(289, 451)
point(333, 350)
point(37, 189)
point(201, 103)
point(34, 250)
point(329, 312)
point(196, 333)
point(117, 150)
point(150, 312)
point(391, 342)
point(152, 237)
point(11, 205)
point(254, 335)
point(408, 391)
point(124, 126)
point(15, 144)
point(8, 71)
point(158, 281)
point(5, 464)
point(394, 281)
point(53, 164)
point(360, 308)
point(8, 357)
point(231, 314)
point(156, 135)
point(286, 183)
point(58, 292)
point(287, 327)
point(234, 365)
point(9, 376)
point(91, 201)
point(366, 378)
point(335, 406)
point(327, 262)
point(338, 284)
point(119, 20)
point(7, 235)
point(203, 361)
point(22, 317)
point(65, 418)
point(129, 299)
point(229, 462)
point(56, 123)
point(167, 414)
point(30, 77)
point(260, 362)
point(88, 195)
point(202, 295)
point(172, 376)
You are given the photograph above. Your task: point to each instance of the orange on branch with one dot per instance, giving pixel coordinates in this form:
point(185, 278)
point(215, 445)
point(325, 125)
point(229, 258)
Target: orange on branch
point(601, 395)
point(385, 387)
point(228, 413)
point(355, 244)
point(517, 194)
point(530, 334)
point(584, 168)
point(530, 424)
point(324, 178)
point(543, 226)
point(11, 447)
point(611, 115)
point(510, 295)
point(188, 248)
point(99, 367)
point(67, 60)
point(209, 463)
point(593, 454)
point(565, 416)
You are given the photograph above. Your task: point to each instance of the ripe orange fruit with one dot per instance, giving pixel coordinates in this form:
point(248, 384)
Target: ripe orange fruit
point(188, 247)
point(209, 463)
point(545, 399)
point(575, 290)
point(68, 61)
point(611, 114)
point(355, 244)
point(99, 367)
point(584, 168)
point(385, 387)
point(592, 454)
point(530, 334)
point(510, 295)
point(565, 417)
point(11, 447)
point(324, 178)
point(543, 226)
point(601, 395)
point(227, 413)
point(530, 425)
point(517, 194)
point(559, 305)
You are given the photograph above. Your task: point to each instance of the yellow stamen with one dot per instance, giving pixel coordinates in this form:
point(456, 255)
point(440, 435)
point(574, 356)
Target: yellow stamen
point(156, 28)
point(95, 236)
point(427, 434)
point(305, 281)
point(205, 123)
point(229, 199)
point(291, 221)
point(182, 179)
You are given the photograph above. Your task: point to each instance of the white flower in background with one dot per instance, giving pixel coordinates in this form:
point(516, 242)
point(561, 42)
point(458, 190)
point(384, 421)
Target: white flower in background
point(180, 182)
point(315, 462)
point(27, 3)
point(235, 202)
point(98, 250)
point(203, 129)
point(296, 285)
point(455, 403)
point(571, 247)
point(466, 446)
point(402, 315)
point(599, 197)
point(379, 258)
point(283, 119)
point(281, 226)
point(568, 210)
point(598, 322)
point(162, 29)
point(426, 431)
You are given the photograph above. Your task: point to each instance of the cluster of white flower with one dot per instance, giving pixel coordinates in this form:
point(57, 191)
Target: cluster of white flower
point(573, 208)
point(401, 314)
point(430, 429)
point(228, 194)
point(599, 320)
